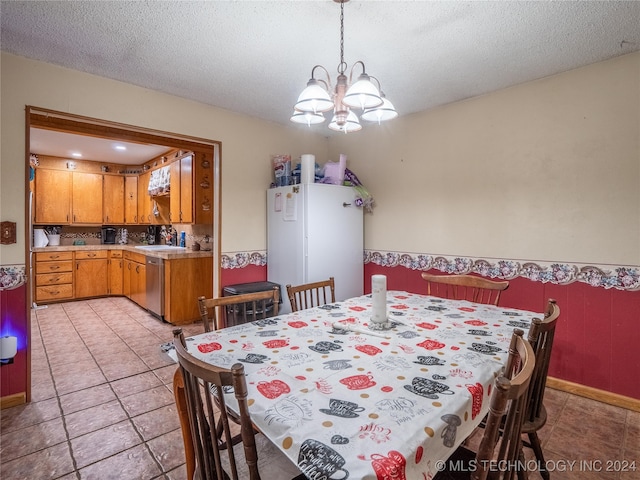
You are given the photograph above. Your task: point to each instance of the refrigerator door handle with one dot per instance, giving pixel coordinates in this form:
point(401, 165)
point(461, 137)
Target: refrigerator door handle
point(345, 204)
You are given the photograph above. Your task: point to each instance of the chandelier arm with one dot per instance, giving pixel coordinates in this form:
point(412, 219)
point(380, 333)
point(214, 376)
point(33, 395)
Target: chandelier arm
point(378, 82)
point(364, 71)
point(327, 83)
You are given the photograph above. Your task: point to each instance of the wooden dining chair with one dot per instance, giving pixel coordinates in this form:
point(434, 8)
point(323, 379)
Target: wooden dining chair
point(465, 287)
point(501, 442)
point(199, 389)
point(237, 309)
point(311, 295)
point(540, 337)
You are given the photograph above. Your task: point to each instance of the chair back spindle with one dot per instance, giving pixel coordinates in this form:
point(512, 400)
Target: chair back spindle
point(204, 391)
point(311, 295)
point(465, 287)
point(217, 313)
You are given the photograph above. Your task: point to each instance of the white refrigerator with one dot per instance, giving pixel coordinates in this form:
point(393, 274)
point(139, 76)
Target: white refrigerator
point(315, 231)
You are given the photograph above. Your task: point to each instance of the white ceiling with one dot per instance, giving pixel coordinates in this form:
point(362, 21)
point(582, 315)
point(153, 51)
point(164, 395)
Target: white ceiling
point(58, 144)
point(255, 57)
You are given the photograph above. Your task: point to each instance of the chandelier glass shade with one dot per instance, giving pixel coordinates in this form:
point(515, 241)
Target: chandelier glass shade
point(320, 96)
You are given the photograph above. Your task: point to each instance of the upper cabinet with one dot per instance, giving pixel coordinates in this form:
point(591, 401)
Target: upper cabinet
point(130, 200)
point(144, 200)
point(181, 206)
point(52, 198)
point(113, 199)
point(63, 197)
point(86, 198)
point(203, 188)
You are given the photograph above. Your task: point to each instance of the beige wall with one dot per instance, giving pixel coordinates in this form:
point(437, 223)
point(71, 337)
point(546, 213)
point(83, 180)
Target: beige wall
point(548, 170)
point(247, 143)
point(482, 178)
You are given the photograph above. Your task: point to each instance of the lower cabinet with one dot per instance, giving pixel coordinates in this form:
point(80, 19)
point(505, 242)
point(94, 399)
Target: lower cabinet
point(81, 274)
point(135, 278)
point(54, 276)
point(91, 273)
point(116, 267)
point(184, 281)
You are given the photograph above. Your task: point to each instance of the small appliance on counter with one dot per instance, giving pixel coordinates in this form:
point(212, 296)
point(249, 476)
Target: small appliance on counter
point(40, 238)
point(108, 235)
point(153, 235)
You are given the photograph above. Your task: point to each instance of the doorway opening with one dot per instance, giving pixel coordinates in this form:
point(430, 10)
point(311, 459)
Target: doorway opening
point(50, 127)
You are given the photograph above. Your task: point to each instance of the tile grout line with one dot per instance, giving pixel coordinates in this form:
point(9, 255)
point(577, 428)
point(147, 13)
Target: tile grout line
point(62, 415)
point(129, 417)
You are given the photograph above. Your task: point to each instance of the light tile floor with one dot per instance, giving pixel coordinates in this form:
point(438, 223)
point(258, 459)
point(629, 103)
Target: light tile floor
point(102, 406)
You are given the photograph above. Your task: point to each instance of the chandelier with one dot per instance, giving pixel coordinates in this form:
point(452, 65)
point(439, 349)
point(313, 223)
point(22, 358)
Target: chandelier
point(319, 96)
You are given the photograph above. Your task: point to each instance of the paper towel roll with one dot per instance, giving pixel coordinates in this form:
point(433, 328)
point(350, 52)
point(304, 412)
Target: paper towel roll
point(8, 347)
point(308, 168)
point(379, 298)
point(343, 166)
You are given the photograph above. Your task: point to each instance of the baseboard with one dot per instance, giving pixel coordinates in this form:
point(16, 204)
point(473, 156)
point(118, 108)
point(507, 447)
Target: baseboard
point(594, 394)
point(13, 400)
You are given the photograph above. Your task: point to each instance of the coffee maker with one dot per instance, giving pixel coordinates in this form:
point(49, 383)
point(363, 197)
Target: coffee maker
point(108, 235)
point(153, 234)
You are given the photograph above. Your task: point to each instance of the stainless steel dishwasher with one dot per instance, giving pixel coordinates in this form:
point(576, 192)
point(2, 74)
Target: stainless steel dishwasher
point(155, 286)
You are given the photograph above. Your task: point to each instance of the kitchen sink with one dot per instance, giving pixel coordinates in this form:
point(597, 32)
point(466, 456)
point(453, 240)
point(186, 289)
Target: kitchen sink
point(159, 247)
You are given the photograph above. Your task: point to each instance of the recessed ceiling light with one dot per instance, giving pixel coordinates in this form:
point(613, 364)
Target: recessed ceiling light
point(120, 147)
point(76, 155)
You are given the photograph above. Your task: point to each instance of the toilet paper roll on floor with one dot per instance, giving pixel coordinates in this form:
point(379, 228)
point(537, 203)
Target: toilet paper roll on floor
point(307, 168)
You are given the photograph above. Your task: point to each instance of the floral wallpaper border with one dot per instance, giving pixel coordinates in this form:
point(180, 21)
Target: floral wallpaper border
point(12, 276)
point(243, 259)
point(621, 278)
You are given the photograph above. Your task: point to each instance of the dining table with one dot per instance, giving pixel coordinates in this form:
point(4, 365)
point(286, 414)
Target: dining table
point(343, 400)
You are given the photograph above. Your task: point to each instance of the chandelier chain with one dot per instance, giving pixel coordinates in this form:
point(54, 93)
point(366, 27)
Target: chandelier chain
point(342, 66)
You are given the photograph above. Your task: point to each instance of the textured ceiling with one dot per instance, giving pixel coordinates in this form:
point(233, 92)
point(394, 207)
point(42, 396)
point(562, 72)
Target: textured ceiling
point(255, 57)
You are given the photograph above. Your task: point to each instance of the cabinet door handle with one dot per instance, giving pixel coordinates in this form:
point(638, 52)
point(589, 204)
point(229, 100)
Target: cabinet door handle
point(54, 267)
point(53, 257)
point(91, 255)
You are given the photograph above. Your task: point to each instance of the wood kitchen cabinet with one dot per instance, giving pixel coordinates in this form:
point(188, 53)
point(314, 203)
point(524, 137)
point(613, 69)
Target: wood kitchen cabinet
point(113, 199)
point(54, 276)
point(185, 280)
point(115, 272)
point(52, 198)
point(181, 207)
point(130, 200)
point(144, 200)
point(203, 188)
point(86, 198)
point(135, 278)
point(91, 273)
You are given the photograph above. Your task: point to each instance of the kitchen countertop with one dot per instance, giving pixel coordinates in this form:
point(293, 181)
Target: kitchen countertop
point(168, 254)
